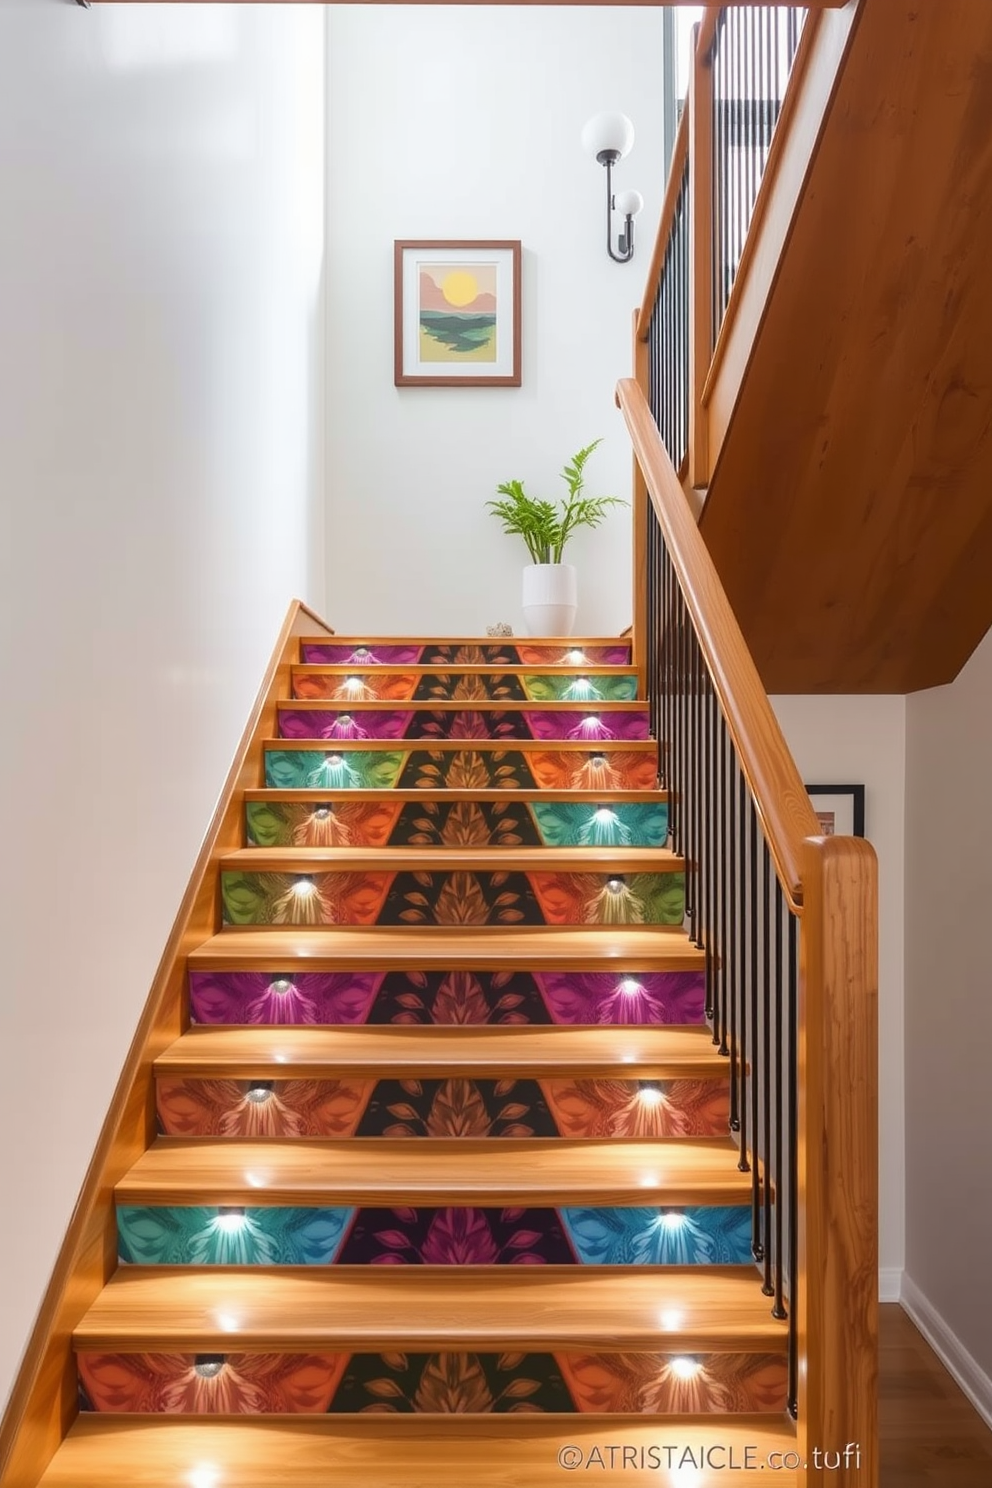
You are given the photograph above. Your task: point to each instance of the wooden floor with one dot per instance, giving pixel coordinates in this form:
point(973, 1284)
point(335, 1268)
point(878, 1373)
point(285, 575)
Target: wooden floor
point(932, 1437)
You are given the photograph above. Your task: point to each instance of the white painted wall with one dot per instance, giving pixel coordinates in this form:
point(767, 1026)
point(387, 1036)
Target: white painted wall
point(843, 740)
point(464, 122)
point(949, 1017)
point(161, 180)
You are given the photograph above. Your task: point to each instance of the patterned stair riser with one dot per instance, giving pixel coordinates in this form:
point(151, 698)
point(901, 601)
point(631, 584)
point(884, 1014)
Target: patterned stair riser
point(442, 1383)
point(454, 1107)
point(320, 722)
point(304, 1236)
point(429, 823)
point(610, 767)
point(505, 687)
point(491, 653)
point(463, 997)
point(454, 898)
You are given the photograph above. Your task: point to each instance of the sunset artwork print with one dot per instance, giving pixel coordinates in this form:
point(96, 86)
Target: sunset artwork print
point(457, 314)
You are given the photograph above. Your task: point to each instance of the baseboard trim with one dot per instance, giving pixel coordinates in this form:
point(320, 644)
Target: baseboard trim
point(890, 1283)
point(969, 1374)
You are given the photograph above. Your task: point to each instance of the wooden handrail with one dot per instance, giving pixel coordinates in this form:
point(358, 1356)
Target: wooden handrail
point(679, 157)
point(43, 1402)
point(784, 809)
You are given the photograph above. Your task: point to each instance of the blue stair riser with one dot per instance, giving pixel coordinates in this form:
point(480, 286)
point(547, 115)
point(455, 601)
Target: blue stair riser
point(434, 822)
point(479, 765)
point(234, 1236)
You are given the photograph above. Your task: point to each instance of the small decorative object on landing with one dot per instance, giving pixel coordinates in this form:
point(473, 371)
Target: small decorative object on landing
point(499, 629)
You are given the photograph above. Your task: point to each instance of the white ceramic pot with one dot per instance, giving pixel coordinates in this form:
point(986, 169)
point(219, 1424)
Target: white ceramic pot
point(551, 598)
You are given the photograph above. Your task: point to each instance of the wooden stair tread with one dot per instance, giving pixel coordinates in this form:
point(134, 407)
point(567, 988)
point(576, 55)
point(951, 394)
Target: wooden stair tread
point(579, 706)
point(389, 1051)
point(480, 1309)
point(567, 643)
point(460, 668)
point(603, 860)
point(392, 1451)
point(622, 949)
point(438, 1172)
point(507, 797)
point(467, 746)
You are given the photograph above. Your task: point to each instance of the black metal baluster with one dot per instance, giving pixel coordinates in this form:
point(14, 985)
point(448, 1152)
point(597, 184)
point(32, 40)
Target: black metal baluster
point(754, 1082)
point(726, 887)
point(743, 1074)
point(768, 878)
point(733, 963)
point(793, 1069)
point(706, 856)
point(781, 1104)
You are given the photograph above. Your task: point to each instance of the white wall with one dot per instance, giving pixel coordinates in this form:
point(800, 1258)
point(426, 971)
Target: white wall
point(464, 122)
point(161, 177)
point(949, 1018)
point(844, 740)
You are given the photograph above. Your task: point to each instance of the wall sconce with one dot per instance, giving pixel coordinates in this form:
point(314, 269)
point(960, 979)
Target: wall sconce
point(610, 137)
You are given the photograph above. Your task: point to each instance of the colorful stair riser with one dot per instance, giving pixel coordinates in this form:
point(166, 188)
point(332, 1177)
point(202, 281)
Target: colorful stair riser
point(298, 1236)
point(363, 685)
point(463, 997)
point(454, 1107)
point(442, 1383)
point(432, 823)
point(454, 898)
point(494, 653)
point(324, 721)
point(609, 767)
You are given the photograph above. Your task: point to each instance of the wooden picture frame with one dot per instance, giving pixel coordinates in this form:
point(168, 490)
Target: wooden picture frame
point(457, 313)
point(840, 808)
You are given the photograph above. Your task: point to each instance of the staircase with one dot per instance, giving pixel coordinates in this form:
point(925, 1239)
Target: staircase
point(443, 1186)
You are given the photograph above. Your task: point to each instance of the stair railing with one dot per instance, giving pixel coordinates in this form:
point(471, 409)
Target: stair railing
point(787, 920)
point(759, 83)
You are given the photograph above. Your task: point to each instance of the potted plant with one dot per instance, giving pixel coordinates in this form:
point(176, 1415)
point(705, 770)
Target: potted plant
point(550, 589)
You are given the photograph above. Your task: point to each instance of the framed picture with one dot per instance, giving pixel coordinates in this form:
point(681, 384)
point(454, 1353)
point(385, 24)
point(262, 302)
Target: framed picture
point(840, 808)
point(457, 309)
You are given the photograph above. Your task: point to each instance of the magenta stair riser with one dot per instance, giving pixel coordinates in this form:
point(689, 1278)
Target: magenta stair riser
point(451, 897)
point(393, 687)
point(512, 652)
point(465, 998)
point(437, 1384)
point(324, 721)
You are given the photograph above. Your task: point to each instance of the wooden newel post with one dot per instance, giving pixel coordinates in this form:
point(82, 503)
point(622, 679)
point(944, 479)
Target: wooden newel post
point(639, 545)
point(700, 105)
point(837, 1287)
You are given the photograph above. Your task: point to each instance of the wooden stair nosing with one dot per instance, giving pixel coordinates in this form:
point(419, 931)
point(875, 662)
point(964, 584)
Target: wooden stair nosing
point(478, 1309)
point(467, 746)
point(391, 1051)
point(611, 861)
point(490, 795)
point(438, 1172)
point(620, 949)
point(579, 707)
point(466, 668)
point(389, 1450)
point(567, 643)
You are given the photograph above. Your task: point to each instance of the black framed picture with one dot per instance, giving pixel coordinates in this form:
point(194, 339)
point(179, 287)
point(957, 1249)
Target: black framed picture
point(840, 809)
